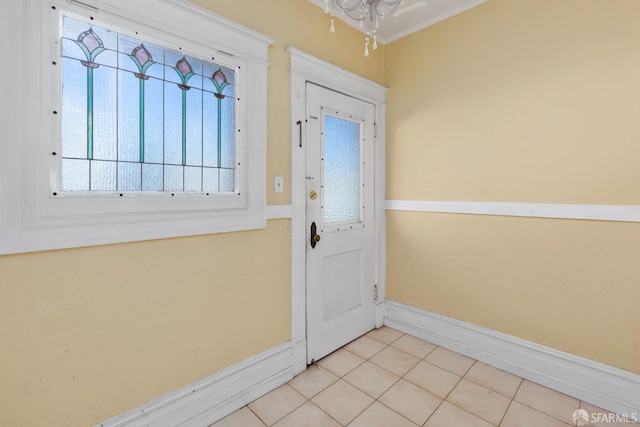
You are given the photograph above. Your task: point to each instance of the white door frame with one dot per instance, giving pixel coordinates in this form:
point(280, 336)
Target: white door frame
point(306, 68)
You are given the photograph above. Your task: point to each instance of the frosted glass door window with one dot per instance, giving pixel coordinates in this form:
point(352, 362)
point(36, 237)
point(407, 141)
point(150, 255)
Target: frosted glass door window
point(341, 170)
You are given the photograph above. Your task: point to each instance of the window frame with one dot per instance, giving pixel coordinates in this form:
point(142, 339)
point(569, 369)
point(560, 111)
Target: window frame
point(36, 216)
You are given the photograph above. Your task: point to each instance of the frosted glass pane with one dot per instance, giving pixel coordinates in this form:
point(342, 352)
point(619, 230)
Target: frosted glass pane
point(70, 49)
point(228, 133)
point(194, 127)
point(152, 177)
point(129, 120)
point(74, 109)
point(105, 114)
point(192, 179)
point(108, 58)
point(227, 184)
point(341, 170)
point(75, 175)
point(153, 121)
point(103, 176)
point(172, 124)
point(173, 178)
point(210, 130)
point(210, 179)
point(129, 176)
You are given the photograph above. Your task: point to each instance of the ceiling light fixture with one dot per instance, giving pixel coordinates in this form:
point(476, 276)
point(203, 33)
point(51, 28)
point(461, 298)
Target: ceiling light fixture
point(368, 12)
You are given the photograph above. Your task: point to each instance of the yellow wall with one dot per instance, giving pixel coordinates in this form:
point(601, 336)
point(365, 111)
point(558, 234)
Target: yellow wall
point(520, 101)
point(89, 333)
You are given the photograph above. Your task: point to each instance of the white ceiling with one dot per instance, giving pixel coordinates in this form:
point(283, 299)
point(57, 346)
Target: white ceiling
point(412, 16)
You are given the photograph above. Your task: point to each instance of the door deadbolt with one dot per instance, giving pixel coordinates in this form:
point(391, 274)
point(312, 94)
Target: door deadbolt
point(313, 195)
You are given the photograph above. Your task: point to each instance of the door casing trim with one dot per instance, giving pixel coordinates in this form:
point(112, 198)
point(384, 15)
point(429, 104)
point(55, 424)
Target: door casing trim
point(307, 68)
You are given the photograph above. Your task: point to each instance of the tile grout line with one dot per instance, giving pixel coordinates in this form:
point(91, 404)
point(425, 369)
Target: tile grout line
point(348, 372)
point(377, 399)
point(544, 413)
point(511, 401)
point(422, 360)
point(538, 410)
point(451, 391)
point(493, 391)
point(368, 360)
point(403, 377)
point(257, 416)
point(327, 414)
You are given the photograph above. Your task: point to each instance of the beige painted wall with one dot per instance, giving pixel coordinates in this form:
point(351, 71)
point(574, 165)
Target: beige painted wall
point(89, 333)
point(520, 101)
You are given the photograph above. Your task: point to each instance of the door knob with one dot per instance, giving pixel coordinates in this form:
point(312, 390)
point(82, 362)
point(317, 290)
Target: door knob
point(315, 237)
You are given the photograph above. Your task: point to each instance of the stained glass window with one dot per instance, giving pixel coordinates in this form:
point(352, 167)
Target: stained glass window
point(140, 117)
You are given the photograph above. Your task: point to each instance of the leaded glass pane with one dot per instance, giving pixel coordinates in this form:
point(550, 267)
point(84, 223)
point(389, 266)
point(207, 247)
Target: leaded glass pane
point(75, 175)
point(341, 170)
point(74, 108)
point(140, 117)
point(129, 176)
point(228, 134)
point(172, 124)
point(192, 179)
point(227, 180)
point(129, 123)
point(103, 176)
point(210, 179)
point(154, 121)
point(194, 128)
point(210, 129)
point(174, 178)
point(152, 177)
point(105, 114)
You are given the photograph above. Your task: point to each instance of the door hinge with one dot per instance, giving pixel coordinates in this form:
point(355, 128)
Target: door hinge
point(375, 293)
point(375, 130)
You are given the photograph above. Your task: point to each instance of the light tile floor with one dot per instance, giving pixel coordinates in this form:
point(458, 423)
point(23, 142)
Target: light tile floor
point(389, 379)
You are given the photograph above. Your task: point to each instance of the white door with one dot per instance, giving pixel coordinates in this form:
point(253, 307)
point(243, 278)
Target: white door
point(339, 218)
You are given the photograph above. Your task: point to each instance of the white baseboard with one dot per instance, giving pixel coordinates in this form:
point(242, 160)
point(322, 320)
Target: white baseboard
point(601, 385)
point(210, 399)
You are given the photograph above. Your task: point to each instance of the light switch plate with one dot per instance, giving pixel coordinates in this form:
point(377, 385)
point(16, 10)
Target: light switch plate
point(278, 184)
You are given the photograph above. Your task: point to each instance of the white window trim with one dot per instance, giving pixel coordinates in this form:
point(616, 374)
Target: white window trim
point(31, 217)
